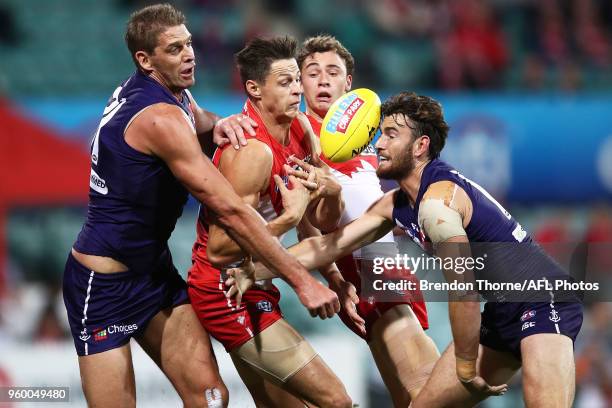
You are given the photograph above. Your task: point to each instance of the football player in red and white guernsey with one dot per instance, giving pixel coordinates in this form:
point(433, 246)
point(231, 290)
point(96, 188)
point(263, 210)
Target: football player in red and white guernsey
point(275, 362)
point(394, 332)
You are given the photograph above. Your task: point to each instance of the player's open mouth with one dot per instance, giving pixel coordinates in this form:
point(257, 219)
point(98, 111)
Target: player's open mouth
point(382, 161)
point(323, 97)
point(187, 72)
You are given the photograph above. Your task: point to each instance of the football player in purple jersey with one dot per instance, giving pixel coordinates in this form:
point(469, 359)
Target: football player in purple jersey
point(440, 208)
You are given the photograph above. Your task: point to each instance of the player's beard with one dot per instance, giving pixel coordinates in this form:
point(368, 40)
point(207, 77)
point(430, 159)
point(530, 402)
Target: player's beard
point(400, 167)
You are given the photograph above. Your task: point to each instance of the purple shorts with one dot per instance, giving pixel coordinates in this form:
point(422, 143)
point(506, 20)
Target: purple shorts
point(505, 324)
point(106, 310)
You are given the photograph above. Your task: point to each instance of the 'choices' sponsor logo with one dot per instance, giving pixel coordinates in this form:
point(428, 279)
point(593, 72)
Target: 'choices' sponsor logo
point(103, 334)
point(122, 328)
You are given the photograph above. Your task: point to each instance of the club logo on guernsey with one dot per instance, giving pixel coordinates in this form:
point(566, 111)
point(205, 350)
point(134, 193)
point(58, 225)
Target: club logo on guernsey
point(414, 232)
point(342, 117)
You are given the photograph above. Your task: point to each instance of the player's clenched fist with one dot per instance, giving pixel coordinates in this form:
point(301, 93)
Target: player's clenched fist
point(318, 299)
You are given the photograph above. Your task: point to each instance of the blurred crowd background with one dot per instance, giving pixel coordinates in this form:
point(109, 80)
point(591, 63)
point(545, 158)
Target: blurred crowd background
point(426, 44)
point(527, 90)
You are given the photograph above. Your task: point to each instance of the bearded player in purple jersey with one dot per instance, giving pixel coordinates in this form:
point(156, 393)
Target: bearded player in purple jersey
point(119, 280)
point(436, 205)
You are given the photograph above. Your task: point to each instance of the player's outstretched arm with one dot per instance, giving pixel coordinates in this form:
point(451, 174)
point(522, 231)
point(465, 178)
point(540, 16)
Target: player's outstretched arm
point(442, 216)
point(248, 171)
point(162, 130)
point(316, 252)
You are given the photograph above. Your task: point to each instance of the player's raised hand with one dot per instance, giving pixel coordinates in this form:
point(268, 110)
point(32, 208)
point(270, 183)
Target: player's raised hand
point(325, 180)
point(240, 280)
point(318, 299)
point(295, 200)
point(231, 130)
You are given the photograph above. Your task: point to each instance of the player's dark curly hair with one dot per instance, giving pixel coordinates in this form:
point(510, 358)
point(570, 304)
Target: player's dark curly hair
point(425, 115)
point(324, 43)
point(255, 59)
point(146, 24)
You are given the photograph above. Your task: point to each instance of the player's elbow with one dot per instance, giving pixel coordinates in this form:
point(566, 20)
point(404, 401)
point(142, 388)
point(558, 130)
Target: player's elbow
point(236, 219)
point(229, 213)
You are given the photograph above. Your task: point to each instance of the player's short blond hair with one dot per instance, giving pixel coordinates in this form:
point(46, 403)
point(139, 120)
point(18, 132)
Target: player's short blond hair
point(324, 43)
point(145, 26)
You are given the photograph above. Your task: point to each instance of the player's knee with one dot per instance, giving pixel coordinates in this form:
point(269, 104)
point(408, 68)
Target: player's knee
point(211, 394)
point(216, 397)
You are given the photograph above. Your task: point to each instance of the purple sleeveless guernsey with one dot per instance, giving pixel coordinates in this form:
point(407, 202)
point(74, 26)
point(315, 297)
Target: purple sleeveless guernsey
point(511, 255)
point(134, 199)
point(490, 221)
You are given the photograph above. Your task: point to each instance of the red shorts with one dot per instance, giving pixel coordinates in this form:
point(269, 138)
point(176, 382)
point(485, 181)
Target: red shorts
point(369, 309)
point(219, 315)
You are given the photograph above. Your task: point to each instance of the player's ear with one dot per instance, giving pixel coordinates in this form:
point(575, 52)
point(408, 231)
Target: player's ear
point(349, 82)
point(143, 60)
point(421, 146)
point(253, 89)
